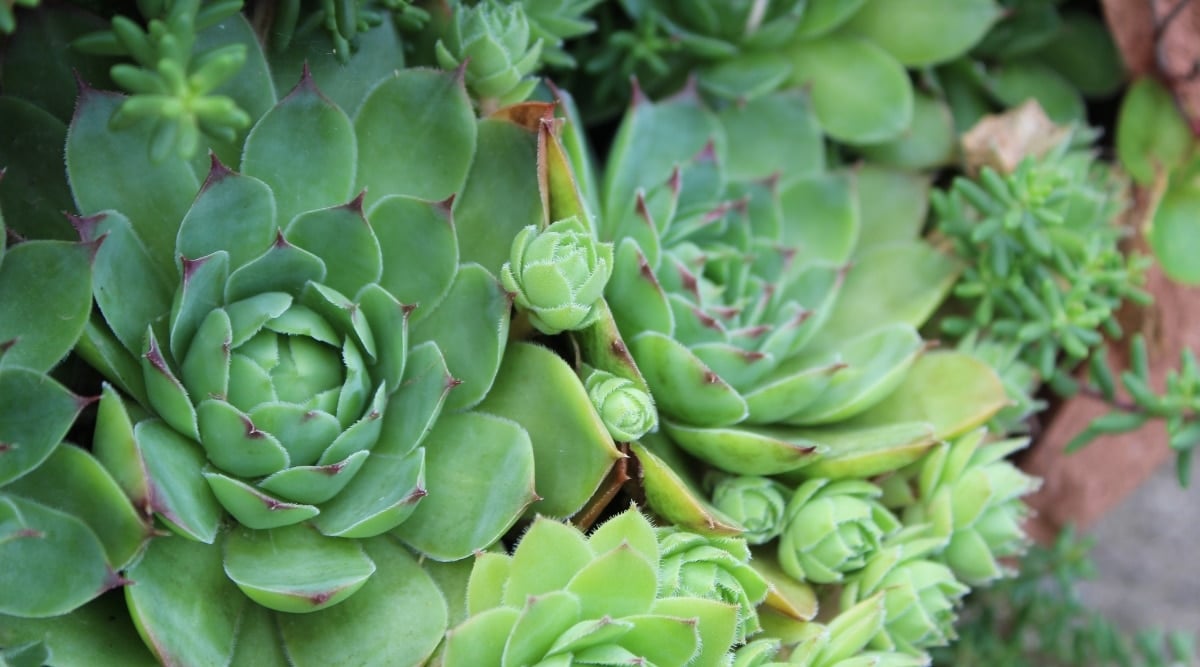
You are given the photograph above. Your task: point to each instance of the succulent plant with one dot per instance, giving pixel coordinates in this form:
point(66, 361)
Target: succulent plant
point(565, 599)
point(492, 41)
point(558, 275)
point(920, 596)
point(842, 641)
point(832, 529)
point(628, 411)
point(970, 494)
point(1044, 268)
point(293, 384)
point(172, 85)
point(716, 568)
point(757, 504)
point(554, 21)
point(732, 290)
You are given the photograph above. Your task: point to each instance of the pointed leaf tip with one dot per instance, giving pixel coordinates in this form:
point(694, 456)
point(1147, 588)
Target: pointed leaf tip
point(85, 226)
point(446, 206)
point(217, 171)
point(636, 94)
point(356, 205)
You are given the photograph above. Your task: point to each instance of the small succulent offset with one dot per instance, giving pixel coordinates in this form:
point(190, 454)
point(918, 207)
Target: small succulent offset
point(558, 275)
point(832, 529)
point(758, 504)
point(970, 495)
point(565, 599)
point(493, 41)
point(840, 643)
point(921, 596)
point(627, 411)
point(715, 568)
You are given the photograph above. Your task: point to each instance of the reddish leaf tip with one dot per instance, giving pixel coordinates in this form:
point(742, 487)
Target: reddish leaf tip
point(191, 266)
point(217, 171)
point(446, 206)
point(6, 447)
point(85, 225)
point(356, 205)
point(711, 377)
point(636, 95)
point(280, 241)
point(417, 494)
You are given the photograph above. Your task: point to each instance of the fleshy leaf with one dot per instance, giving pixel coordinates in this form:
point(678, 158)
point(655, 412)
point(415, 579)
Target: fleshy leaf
point(417, 274)
point(35, 414)
point(683, 386)
point(99, 162)
point(415, 114)
point(177, 491)
point(295, 569)
point(673, 497)
point(234, 213)
point(572, 449)
point(501, 195)
point(859, 92)
point(53, 561)
point(953, 391)
point(129, 287)
point(907, 28)
point(466, 508)
point(305, 150)
point(185, 608)
point(73, 482)
point(397, 618)
point(470, 327)
point(33, 192)
point(45, 299)
point(341, 237)
point(547, 557)
point(743, 450)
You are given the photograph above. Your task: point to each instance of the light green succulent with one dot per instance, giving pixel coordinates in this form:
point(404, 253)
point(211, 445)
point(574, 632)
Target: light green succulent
point(758, 504)
point(920, 596)
point(733, 292)
point(554, 21)
point(970, 494)
point(627, 411)
point(715, 568)
point(833, 529)
point(492, 40)
point(840, 643)
point(565, 599)
point(558, 275)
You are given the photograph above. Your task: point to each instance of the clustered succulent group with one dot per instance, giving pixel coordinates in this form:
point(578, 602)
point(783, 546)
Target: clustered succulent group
point(353, 331)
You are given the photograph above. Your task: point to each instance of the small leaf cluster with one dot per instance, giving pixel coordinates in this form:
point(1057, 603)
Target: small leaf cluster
point(171, 84)
point(1178, 404)
point(1038, 618)
point(1045, 270)
point(343, 20)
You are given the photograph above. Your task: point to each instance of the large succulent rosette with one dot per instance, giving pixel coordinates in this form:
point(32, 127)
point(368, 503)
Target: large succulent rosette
point(748, 284)
point(291, 376)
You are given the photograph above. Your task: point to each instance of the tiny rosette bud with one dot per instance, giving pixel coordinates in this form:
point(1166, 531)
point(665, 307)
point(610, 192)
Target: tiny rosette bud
point(841, 642)
point(757, 503)
point(714, 568)
point(627, 411)
point(832, 528)
point(558, 275)
point(493, 39)
point(920, 596)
